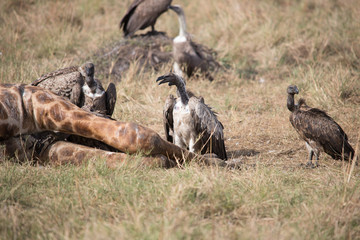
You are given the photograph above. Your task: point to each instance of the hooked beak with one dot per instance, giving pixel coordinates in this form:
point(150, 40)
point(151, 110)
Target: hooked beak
point(165, 79)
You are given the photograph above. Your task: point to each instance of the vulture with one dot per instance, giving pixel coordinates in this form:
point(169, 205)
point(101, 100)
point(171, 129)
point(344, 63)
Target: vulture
point(320, 132)
point(79, 86)
point(193, 124)
point(188, 55)
point(142, 14)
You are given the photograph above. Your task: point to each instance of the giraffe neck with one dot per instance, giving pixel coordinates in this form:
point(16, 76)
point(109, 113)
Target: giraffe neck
point(28, 109)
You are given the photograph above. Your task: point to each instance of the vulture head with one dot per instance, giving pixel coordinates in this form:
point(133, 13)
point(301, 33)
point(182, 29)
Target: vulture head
point(88, 70)
point(177, 9)
point(172, 79)
point(292, 89)
point(179, 82)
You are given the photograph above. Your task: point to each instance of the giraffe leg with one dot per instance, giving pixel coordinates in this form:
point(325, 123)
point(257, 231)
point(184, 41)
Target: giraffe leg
point(24, 149)
point(62, 152)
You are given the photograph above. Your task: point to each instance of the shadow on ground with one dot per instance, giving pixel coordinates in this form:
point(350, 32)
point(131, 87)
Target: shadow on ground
point(242, 153)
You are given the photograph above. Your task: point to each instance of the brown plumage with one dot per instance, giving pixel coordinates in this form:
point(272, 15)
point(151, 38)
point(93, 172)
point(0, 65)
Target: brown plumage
point(188, 55)
point(79, 86)
point(142, 14)
point(193, 124)
point(318, 130)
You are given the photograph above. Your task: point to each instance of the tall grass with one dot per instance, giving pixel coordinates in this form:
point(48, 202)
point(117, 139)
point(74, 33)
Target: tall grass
point(265, 46)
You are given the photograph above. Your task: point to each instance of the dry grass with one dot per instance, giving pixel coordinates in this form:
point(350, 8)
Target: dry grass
point(265, 45)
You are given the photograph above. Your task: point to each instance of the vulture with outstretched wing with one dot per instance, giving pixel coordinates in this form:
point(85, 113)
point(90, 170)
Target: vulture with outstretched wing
point(81, 88)
point(142, 14)
point(320, 131)
point(193, 124)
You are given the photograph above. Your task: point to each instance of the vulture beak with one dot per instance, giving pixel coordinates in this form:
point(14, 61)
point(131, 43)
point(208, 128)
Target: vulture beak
point(296, 90)
point(168, 78)
point(90, 70)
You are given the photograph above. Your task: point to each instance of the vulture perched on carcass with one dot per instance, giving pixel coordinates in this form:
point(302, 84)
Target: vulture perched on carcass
point(81, 88)
point(188, 55)
point(320, 132)
point(193, 124)
point(142, 14)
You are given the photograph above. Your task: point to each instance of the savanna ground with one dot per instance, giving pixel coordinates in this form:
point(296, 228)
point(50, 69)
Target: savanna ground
point(264, 46)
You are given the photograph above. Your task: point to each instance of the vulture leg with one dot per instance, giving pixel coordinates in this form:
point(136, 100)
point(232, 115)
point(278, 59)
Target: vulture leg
point(317, 159)
point(192, 145)
point(179, 142)
point(309, 163)
point(311, 155)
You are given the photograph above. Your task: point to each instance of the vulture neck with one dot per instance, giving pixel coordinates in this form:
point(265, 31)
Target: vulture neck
point(290, 102)
point(181, 91)
point(182, 22)
point(91, 83)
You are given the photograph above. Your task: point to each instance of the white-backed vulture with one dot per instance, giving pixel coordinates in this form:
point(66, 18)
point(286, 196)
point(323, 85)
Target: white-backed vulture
point(320, 132)
point(194, 125)
point(142, 14)
point(81, 88)
point(188, 55)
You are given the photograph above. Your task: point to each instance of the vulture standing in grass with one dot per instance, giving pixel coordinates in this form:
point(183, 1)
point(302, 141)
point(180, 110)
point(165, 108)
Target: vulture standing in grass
point(190, 56)
point(79, 86)
point(142, 14)
point(320, 132)
point(193, 123)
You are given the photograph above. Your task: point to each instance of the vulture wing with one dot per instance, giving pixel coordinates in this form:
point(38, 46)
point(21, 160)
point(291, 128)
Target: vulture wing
point(314, 124)
point(54, 74)
point(141, 14)
point(125, 20)
point(168, 117)
point(209, 128)
point(110, 99)
point(207, 55)
point(63, 82)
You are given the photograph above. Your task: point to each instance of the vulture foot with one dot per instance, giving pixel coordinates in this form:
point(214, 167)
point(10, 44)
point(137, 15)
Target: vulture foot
point(310, 165)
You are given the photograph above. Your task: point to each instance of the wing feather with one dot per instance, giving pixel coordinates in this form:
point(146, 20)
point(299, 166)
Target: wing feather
point(110, 99)
point(142, 14)
point(207, 55)
point(209, 128)
point(168, 117)
point(124, 21)
point(54, 74)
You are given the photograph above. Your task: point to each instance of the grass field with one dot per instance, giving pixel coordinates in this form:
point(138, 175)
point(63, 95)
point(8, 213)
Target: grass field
point(265, 46)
